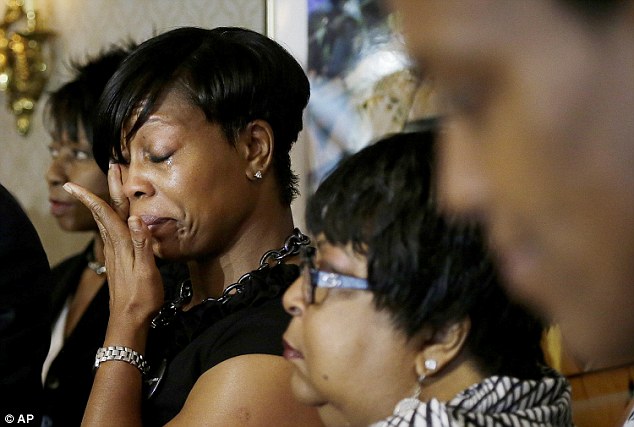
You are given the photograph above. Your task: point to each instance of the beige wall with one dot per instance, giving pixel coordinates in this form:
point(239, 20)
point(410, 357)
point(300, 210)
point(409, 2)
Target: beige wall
point(84, 27)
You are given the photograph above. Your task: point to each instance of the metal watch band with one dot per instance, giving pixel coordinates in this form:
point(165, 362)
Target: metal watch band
point(125, 354)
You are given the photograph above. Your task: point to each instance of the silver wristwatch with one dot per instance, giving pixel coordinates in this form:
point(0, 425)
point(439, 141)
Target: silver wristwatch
point(125, 354)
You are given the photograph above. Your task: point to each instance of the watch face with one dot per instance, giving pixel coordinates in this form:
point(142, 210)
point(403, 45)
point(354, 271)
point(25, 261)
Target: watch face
point(153, 379)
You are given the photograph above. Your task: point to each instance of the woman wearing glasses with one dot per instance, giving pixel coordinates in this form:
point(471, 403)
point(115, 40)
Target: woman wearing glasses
point(398, 315)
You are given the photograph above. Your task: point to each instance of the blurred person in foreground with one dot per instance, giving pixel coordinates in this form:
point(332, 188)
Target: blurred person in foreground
point(538, 145)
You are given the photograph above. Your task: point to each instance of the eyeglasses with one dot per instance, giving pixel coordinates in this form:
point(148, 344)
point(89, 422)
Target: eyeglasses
point(69, 153)
point(313, 278)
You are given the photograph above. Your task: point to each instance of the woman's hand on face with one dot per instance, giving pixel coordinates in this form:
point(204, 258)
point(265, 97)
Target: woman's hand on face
point(118, 200)
point(136, 289)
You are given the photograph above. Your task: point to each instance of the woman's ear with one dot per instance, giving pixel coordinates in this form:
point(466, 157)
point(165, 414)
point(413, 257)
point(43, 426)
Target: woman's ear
point(441, 348)
point(257, 144)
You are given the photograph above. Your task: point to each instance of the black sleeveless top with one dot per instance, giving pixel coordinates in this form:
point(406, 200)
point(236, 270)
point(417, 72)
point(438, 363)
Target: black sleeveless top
point(196, 340)
point(70, 375)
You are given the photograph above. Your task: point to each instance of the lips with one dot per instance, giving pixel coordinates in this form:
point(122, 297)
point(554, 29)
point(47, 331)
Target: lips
point(290, 352)
point(154, 222)
point(160, 227)
point(59, 208)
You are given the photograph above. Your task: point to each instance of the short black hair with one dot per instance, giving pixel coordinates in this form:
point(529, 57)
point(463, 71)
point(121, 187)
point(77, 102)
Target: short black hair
point(423, 269)
point(74, 103)
point(234, 75)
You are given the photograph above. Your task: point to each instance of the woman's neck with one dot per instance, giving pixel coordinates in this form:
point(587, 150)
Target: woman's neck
point(457, 376)
point(210, 276)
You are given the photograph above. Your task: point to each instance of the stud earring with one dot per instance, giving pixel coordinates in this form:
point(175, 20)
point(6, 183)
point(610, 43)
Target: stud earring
point(258, 174)
point(430, 365)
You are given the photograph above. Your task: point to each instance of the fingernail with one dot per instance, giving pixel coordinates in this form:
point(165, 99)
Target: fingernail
point(134, 222)
point(110, 163)
point(68, 188)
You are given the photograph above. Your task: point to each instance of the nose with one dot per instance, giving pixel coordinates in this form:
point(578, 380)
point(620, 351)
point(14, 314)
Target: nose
point(135, 180)
point(462, 186)
point(56, 173)
point(293, 299)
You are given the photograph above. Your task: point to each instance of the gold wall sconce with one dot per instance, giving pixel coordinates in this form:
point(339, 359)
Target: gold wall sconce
point(23, 68)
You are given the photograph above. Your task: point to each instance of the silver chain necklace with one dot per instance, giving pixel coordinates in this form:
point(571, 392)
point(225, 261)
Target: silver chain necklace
point(291, 247)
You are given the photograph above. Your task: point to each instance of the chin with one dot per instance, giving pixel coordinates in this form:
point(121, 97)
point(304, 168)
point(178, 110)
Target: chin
point(166, 252)
point(304, 392)
point(332, 417)
point(70, 225)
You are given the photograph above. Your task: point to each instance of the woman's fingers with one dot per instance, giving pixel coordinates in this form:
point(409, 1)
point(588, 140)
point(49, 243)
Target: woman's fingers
point(141, 241)
point(136, 290)
point(145, 266)
point(120, 202)
point(113, 230)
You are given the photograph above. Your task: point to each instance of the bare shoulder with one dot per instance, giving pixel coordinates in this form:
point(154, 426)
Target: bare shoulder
point(248, 390)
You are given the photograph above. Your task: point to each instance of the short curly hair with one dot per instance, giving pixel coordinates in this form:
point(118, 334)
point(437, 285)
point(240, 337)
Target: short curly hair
point(74, 103)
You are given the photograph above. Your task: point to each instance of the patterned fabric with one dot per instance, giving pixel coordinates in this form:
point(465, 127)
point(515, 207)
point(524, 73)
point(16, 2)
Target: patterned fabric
point(629, 422)
point(497, 401)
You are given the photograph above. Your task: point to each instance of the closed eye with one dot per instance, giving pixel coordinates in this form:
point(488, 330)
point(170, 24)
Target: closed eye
point(160, 158)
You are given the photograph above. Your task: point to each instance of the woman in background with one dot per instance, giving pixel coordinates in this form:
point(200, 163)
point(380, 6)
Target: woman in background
point(80, 294)
point(398, 319)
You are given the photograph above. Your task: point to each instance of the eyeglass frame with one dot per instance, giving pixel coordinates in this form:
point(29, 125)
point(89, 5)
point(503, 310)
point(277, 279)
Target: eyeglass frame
point(324, 279)
point(74, 154)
